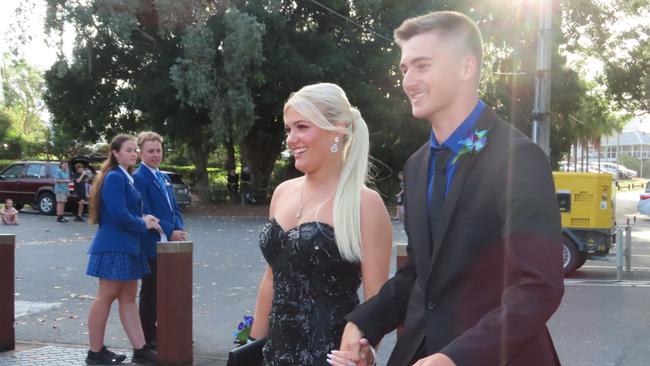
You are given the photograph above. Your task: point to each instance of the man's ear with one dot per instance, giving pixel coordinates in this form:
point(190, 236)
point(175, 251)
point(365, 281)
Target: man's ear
point(469, 67)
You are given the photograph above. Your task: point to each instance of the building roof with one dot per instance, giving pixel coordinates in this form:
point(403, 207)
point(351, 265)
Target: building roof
point(627, 137)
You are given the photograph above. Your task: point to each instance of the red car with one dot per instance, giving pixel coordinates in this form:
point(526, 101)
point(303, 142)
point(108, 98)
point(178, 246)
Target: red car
point(32, 183)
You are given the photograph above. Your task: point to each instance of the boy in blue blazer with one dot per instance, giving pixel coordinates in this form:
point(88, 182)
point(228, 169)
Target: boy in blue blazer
point(158, 200)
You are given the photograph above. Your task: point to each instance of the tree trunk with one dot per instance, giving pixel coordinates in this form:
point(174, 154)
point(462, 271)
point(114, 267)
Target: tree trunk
point(598, 147)
point(568, 160)
point(230, 153)
point(259, 151)
point(200, 160)
point(575, 156)
point(587, 160)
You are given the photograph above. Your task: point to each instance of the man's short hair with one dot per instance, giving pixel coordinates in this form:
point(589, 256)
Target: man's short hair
point(449, 23)
point(79, 165)
point(148, 136)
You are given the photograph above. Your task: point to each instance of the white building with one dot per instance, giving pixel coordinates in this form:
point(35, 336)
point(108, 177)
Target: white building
point(630, 142)
point(634, 140)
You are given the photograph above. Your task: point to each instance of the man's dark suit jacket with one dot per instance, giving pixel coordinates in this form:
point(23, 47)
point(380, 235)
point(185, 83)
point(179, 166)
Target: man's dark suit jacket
point(482, 289)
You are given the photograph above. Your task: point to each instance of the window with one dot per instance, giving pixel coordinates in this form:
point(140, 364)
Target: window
point(13, 171)
point(35, 171)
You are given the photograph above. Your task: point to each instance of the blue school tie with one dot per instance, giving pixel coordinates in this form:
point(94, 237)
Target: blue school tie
point(163, 185)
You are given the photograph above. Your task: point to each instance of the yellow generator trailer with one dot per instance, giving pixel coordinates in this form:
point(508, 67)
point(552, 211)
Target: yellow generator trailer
point(587, 209)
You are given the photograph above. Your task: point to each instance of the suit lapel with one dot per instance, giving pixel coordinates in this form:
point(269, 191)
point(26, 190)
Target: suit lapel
point(421, 215)
point(463, 171)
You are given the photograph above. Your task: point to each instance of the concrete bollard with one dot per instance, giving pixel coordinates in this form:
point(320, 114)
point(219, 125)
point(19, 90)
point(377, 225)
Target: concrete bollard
point(174, 301)
point(7, 290)
point(619, 253)
point(628, 248)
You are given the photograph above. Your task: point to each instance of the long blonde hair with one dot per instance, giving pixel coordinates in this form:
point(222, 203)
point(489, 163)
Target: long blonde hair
point(95, 196)
point(325, 105)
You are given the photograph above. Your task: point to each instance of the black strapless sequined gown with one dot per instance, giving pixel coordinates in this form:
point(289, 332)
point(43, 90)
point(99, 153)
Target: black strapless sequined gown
point(314, 289)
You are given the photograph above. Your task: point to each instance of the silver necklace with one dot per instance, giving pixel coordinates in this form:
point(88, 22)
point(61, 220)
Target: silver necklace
point(302, 204)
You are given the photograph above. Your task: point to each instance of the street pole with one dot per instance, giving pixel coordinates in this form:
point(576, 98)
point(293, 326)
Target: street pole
point(541, 108)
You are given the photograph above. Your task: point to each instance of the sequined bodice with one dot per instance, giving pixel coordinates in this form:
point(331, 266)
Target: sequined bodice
point(314, 288)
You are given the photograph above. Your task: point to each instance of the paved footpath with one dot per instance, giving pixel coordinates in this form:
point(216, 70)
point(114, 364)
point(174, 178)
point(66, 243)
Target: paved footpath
point(32, 354)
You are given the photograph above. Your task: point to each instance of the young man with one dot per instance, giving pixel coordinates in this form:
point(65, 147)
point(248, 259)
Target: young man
point(81, 178)
point(158, 200)
point(484, 240)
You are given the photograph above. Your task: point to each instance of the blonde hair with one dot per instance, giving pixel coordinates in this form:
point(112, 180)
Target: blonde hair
point(148, 136)
point(325, 105)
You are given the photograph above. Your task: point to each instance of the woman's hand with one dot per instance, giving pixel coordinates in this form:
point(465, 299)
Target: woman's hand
point(151, 222)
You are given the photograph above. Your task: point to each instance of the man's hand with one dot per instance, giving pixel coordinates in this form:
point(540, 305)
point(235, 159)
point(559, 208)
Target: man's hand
point(351, 339)
point(178, 235)
point(437, 359)
point(355, 350)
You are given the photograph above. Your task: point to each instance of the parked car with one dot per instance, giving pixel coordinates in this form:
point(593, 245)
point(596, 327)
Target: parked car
point(644, 202)
point(181, 190)
point(32, 183)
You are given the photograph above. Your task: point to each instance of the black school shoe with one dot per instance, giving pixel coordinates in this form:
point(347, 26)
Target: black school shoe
point(144, 356)
point(104, 357)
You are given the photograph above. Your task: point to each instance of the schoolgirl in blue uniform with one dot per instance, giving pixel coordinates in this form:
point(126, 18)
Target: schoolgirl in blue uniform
point(116, 255)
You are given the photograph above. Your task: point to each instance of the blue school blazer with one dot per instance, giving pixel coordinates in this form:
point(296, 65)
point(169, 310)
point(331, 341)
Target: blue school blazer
point(121, 225)
point(155, 203)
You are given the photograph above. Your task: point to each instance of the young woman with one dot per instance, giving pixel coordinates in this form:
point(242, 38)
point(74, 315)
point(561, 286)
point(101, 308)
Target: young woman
point(328, 233)
point(61, 190)
point(116, 255)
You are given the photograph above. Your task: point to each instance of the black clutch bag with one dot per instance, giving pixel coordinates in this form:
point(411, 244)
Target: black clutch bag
point(247, 355)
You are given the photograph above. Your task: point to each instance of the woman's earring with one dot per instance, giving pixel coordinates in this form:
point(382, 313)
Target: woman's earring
point(334, 148)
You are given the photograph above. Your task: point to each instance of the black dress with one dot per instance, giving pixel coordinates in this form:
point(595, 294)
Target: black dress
point(314, 288)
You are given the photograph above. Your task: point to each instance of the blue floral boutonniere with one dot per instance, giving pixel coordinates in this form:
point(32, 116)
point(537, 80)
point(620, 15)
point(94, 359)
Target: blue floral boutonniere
point(474, 143)
point(243, 330)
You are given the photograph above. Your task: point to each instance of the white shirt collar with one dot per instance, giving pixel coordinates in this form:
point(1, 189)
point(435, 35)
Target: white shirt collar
point(127, 174)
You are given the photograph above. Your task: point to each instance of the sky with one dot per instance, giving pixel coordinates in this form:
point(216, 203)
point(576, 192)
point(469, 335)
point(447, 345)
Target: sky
point(37, 52)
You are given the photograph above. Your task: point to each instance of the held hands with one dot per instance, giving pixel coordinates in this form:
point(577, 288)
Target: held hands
point(437, 359)
point(152, 223)
point(355, 350)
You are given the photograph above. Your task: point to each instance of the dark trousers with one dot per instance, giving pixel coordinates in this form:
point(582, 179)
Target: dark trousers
point(148, 311)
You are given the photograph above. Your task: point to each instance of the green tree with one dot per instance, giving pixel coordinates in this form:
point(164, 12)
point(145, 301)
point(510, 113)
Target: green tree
point(22, 128)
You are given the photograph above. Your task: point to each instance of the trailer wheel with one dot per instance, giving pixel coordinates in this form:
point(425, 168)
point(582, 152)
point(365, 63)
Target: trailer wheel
point(573, 259)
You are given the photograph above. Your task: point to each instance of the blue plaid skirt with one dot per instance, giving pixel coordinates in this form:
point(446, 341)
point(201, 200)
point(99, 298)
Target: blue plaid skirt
point(117, 266)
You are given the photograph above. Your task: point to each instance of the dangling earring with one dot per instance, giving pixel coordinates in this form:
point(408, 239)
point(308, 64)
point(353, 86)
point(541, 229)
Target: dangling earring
point(335, 146)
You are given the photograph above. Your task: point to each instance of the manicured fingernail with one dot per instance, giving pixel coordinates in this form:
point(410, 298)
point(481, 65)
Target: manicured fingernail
point(330, 362)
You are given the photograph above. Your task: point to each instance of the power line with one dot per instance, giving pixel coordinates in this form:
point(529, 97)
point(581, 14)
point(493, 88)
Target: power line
point(351, 21)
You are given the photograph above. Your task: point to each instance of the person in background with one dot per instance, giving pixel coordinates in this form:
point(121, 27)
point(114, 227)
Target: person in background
point(116, 254)
point(82, 176)
point(245, 186)
point(61, 190)
point(158, 200)
point(233, 182)
point(9, 213)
